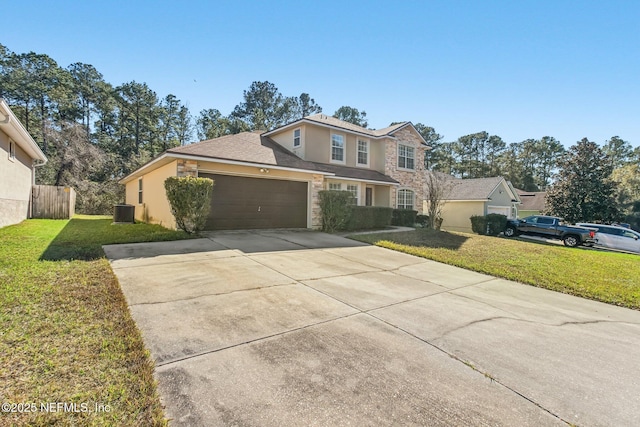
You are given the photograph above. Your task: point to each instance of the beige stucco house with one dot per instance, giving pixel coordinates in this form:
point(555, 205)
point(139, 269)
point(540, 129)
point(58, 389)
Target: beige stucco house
point(479, 196)
point(272, 179)
point(19, 155)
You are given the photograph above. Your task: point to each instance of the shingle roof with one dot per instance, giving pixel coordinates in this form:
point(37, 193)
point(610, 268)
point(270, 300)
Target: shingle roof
point(248, 147)
point(332, 121)
point(355, 173)
point(473, 189)
point(251, 147)
point(532, 200)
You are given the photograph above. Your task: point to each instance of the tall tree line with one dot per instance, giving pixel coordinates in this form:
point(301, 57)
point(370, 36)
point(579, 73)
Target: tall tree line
point(94, 132)
point(529, 164)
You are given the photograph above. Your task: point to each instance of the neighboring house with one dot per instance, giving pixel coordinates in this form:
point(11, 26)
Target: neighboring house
point(272, 180)
point(478, 196)
point(533, 202)
point(19, 155)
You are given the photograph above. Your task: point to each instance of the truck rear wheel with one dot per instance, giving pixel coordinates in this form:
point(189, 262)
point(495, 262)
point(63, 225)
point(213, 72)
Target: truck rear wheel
point(571, 241)
point(510, 232)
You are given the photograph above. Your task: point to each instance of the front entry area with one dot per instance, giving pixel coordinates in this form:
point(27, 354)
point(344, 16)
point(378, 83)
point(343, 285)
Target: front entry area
point(251, 203)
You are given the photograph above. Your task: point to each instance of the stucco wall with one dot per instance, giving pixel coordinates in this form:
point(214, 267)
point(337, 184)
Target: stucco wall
point(285, 139)
point(155, 207)
point(526, 213)
point(456, 215)
point(316, 140)
point(501, 197)
point(15, 183)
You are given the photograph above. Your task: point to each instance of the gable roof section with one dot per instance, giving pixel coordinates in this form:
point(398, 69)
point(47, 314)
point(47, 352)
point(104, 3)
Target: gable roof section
point(249, 147)
point(332, 122)
point(11, 126)
point(532, 200)
point(478, 188)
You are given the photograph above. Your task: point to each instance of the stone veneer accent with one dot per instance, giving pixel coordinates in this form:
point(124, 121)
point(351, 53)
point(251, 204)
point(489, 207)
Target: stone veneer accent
point(187, 168)
point(413, 180)
point(317, 185)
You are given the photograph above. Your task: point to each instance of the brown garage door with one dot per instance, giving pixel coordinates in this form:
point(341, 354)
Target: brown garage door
point(246, 203)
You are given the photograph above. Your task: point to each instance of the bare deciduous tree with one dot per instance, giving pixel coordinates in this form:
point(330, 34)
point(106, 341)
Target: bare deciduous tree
point(438, 188)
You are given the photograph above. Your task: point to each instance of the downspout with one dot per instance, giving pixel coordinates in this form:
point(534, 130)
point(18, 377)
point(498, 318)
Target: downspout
point(5, 121)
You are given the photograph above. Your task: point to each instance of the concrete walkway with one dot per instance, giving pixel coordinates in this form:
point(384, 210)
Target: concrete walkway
point(279, 328)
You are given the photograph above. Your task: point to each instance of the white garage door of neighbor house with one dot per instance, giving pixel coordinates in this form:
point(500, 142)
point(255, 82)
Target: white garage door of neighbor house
point(502, 210)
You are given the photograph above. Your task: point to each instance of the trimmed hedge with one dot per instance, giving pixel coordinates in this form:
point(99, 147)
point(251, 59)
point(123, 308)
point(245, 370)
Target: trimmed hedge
point(404, 217)
point(366, 217)
point(422, 220)
point(339, 213)
point(336, 209)
point(190, 200)
point(488, 225)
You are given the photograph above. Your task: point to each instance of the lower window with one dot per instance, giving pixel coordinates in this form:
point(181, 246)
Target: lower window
point(405, 199)
point(353, 189)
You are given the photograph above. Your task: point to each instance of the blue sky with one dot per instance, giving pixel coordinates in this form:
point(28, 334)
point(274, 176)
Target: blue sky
point(517, 69)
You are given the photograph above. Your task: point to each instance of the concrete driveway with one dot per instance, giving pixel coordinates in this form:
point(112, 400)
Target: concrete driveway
point(280, 328)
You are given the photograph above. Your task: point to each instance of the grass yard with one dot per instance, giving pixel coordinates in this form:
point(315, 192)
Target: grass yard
point(66, 334)
point(609, 277)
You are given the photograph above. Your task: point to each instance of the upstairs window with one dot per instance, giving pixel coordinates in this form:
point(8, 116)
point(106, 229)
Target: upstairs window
point(140, 191)
point(405, 199)
point(337, 148)
point(297, 142)
point(406, 157)
point(363, 152)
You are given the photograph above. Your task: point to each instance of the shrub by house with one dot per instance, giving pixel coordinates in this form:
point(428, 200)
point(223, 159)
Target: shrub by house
point(190, 200)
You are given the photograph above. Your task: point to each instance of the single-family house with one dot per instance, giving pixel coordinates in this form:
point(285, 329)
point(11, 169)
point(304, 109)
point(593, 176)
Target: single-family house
point(477, 196)
point(272, 179)
point(19, 155)
point(533, 202)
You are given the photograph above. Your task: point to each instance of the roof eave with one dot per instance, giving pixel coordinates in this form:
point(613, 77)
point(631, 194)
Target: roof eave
point(305, 120)
point(467, 200)
point(368, 181)
point(168, 154)
point(19, 134)
point(424, 141)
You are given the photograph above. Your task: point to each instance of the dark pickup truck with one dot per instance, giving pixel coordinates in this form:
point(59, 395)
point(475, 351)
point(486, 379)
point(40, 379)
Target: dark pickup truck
point(551, 227)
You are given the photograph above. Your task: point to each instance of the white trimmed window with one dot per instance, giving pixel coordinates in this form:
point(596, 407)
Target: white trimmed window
point(337, 148)
point(405, 199)
point(406, 157)
point(335, 186)
point(297, 139)
point(363, 152)
point(353, 189)
point(12, 150)
point(140, 191)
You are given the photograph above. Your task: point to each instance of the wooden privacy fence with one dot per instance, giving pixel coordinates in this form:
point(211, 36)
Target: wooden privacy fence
point(53, 202)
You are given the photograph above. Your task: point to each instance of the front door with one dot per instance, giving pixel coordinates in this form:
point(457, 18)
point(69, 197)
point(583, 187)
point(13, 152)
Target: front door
point(368, 196)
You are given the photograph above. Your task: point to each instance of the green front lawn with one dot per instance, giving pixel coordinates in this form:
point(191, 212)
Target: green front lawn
point(604, 276)
point(66, 334)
